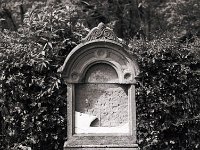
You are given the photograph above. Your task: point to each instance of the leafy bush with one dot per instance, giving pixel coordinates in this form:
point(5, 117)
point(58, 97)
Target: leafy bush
point(33, 96)
point(168, 104)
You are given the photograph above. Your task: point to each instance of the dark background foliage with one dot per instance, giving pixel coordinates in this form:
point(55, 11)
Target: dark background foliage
point(168, 95)
point(36, 36)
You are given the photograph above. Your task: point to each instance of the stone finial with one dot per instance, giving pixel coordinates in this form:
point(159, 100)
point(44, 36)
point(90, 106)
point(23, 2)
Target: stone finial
point(101, 32)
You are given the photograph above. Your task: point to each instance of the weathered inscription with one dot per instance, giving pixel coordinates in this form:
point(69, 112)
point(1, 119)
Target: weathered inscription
point(108, 102)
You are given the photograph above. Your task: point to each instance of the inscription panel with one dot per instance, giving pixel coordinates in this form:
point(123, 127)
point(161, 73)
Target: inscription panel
point(108, 102)
point(103, 105)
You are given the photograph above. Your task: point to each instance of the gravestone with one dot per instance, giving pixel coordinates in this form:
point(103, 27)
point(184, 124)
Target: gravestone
point(100, 77)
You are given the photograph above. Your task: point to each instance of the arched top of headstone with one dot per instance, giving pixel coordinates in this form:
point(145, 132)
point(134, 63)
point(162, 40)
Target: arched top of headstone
point(101, 46)
point(101, 32)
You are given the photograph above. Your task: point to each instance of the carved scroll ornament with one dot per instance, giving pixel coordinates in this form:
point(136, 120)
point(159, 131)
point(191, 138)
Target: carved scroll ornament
point(101, 32)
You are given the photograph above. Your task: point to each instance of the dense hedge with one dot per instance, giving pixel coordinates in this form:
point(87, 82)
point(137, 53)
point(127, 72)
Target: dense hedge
point(33, 96)
point(168, 94)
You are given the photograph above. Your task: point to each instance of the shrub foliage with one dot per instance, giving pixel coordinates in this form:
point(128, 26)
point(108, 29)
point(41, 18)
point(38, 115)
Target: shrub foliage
point(33, 96)
point(168, 95)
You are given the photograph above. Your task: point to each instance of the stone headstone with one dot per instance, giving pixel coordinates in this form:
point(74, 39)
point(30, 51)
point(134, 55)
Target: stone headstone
point(100, 77)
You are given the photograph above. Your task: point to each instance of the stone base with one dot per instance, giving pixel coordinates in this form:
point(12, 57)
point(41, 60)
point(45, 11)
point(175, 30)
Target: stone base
point(103, 147)
point(100, 143)
point(121, 148)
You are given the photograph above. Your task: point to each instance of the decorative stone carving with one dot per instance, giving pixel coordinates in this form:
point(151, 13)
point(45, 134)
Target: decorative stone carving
point(102, 53)
point(101, 32)
point(86, 55)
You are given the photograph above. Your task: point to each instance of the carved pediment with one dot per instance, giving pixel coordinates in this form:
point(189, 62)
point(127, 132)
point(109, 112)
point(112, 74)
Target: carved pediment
point(101, 32)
